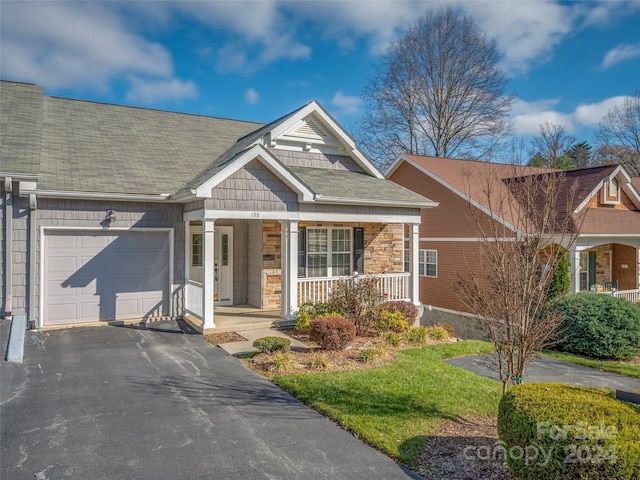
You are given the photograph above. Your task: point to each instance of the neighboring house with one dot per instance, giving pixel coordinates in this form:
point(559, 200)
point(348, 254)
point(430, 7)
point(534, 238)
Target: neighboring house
point(605, 256)
point(112, 212)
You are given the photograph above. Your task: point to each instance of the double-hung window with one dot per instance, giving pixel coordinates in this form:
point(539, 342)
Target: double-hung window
point(328, 252)
point(196, 250)
point(428, 263)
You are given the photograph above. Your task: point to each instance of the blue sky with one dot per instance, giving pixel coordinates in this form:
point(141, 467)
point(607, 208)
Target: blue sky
point(568, 62)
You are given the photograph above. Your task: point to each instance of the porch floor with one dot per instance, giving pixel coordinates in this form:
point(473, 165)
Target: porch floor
point(238, 318)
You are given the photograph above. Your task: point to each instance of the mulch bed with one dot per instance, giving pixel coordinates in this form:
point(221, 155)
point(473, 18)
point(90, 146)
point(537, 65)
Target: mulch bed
point(218, 338)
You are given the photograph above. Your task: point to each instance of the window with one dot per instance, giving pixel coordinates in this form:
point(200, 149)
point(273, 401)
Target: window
point(328, 252)
point(407, 267)
point(428, 263)
point(611, 192)
point(196, 250)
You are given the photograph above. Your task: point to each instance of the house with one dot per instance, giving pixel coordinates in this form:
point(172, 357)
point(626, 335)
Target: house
point(112, 212)
point(605, 256)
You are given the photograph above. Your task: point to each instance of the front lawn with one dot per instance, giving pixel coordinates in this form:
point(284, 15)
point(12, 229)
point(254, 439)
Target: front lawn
point(395, 406)
point(630, 368)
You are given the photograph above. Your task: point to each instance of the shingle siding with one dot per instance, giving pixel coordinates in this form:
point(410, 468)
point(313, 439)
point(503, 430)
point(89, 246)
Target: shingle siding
point(316, 160)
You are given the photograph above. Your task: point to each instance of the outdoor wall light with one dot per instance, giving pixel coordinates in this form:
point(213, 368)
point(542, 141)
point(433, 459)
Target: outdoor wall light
point(111, 217)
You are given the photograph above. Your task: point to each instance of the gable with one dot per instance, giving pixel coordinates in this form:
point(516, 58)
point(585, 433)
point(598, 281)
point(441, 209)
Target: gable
point(253, 188)
point(604, 199)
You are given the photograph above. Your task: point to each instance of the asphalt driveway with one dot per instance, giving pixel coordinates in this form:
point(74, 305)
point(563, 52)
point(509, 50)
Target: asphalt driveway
point(127, 403)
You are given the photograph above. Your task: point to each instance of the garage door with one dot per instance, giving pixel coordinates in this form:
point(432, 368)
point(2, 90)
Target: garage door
point(100, 276)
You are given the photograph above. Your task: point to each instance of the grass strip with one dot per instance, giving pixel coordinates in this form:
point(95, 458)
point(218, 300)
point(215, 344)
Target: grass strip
point(396, 406)
point(623, 368)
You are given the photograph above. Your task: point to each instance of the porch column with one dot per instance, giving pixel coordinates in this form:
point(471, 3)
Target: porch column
point(574, 269)
point(208, 273)
point(414, 245)
point(289, 298)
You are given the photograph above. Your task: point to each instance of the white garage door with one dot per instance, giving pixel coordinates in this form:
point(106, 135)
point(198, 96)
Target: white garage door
point(99, 276)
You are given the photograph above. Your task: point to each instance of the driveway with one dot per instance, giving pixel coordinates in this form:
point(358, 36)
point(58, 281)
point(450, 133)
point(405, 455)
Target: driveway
point(543, 369)
point(128, 403)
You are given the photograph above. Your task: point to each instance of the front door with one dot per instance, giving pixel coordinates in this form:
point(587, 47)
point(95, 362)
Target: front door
point(223, 258)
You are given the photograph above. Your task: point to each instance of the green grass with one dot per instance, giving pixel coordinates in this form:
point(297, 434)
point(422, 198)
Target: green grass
point(394, 407)
point(623, 368)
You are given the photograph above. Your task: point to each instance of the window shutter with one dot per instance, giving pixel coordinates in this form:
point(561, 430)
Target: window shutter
point(358, 249)
point(302, 251)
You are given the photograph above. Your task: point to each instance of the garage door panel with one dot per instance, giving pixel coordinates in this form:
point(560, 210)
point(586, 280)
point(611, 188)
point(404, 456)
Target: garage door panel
point(106, 276)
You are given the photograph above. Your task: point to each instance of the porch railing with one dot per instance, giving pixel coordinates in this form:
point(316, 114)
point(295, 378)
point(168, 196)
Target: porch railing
point(395, 286)
point(193, 298)
point(631, 295)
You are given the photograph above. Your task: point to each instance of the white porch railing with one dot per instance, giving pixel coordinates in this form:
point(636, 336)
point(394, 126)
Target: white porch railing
point(193, 298)
point(395, 286)
point(631, 295)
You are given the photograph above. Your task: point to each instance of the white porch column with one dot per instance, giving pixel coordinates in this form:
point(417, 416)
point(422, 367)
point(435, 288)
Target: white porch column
point(289, 269)
point(574, 269)
point(414, 245)
point(284, 269)
point(208, 273)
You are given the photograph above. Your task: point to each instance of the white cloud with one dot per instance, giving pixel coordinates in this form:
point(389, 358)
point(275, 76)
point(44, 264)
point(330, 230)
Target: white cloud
point(251, 96)
point(528, 116)
point(152, 91)
point(621, 53)
point(74, 44)
point(345, 104)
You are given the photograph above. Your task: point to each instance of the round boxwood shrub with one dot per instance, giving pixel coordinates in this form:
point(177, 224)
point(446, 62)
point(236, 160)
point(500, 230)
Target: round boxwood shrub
point(272, 344)
point(553, 431)
point(599, 326)
point(332, 333)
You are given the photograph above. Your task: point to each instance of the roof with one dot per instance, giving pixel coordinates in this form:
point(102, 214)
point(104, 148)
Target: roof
point(487, 185)
point(606, 221)
point(91, 148)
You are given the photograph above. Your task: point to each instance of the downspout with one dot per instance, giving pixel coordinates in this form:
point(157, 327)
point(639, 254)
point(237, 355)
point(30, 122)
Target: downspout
point(33, 205)
point(8, 252)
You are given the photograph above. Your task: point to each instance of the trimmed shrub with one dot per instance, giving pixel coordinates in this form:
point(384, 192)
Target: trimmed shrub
point(391, 321)
point(357, 299)
point(553, 431)
point(332, 333)
point(409, 310)
point(599, 326)
point(272, 344)
point(309, 310)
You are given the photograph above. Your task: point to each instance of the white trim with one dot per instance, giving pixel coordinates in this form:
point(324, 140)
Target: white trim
point(462, 195)
point(193, 215)
point(467, 239)
point(256, 152)
point(355, 201)
point(125, 197)
point(425, 263)
point(316, 109)
point(606, 193)
point(45, 228)
point(21, 176)
point(448, 310)
point(306, 216)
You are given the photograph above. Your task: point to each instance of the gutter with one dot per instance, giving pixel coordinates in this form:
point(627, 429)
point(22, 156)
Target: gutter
point(31, 309)
point(381, 203)
point(8, 253)
point(125, 197)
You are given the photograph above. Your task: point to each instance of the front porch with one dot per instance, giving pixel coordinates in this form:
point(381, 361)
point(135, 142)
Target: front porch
point(259, 272)
point(610, 268)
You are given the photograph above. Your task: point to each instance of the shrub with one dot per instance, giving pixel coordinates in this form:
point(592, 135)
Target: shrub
point(308, 311)
point(272, 344)
point(437, 333)
point(451, 332)
point(320, 362)
point(417, 335)
point(559, 283)
point(584, 432)
point(599, 326)
point(409, 310)
point(357, 299)
point(283, 363)
point(332, 333)
point(391, 321)
point(392, 338)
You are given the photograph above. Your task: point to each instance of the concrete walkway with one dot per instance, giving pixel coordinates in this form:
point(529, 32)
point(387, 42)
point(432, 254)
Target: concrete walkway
point(245, 348)
point(543, 369)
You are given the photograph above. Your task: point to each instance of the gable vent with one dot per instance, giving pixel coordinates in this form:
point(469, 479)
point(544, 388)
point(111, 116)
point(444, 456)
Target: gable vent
point(309, 129)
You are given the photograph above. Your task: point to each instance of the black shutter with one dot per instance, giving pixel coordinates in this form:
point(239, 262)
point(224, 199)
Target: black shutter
point(358, 249)
point(302, 251)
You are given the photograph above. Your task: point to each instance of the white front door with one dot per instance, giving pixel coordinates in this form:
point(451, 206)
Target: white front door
point(223, 286)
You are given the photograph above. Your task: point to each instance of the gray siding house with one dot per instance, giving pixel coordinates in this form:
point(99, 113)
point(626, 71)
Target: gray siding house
point(119, 213)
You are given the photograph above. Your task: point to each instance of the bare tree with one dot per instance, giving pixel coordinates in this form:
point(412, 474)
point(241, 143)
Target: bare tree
point(619, 134)
point(439, 91)
point(521, 245)
point(551, 147)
